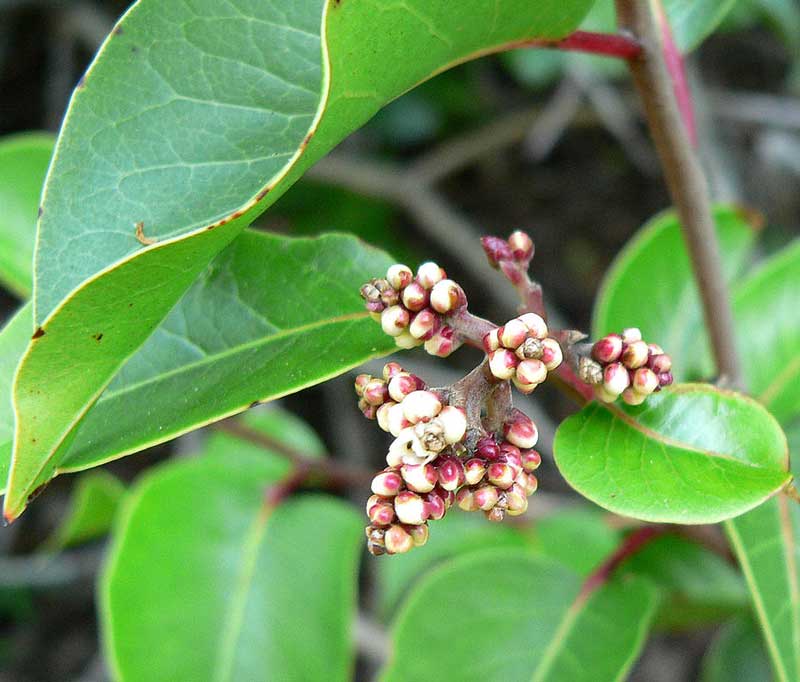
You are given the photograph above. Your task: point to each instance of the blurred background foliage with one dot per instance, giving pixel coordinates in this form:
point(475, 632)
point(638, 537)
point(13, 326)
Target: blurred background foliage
point(549, 142)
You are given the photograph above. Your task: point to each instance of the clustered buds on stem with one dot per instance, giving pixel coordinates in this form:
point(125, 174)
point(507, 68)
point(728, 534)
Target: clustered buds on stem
point(430, 466)
point(521, 351)
point(625, 365)
point(413, 310)
point(466, 444)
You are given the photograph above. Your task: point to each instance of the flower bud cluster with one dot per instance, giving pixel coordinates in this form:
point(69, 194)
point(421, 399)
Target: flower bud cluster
point(521, 351)
point(512, 256)
point(625, 365)
point(412, 308)
point(376, 392)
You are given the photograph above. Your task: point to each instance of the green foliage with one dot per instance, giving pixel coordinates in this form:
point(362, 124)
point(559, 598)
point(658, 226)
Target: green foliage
point(508, 615)
point(23, 163)
point(736, 655)
point(14, 338)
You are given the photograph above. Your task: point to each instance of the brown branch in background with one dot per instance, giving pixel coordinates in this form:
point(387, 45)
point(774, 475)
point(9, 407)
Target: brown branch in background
point(685, 180)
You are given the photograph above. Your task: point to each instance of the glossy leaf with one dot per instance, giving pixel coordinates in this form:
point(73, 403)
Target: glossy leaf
point(768, 326)
point(736, 655)
point(507, 615)
point(23, 163)
point(650, 286)
point(269, 316)
point(14, 337)
point(194, 118)
point(94, 502)
point(455, 535)
point(690, 454)
point(207, 581)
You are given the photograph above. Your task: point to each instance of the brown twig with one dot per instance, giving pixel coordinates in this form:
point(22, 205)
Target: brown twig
point(685, 180)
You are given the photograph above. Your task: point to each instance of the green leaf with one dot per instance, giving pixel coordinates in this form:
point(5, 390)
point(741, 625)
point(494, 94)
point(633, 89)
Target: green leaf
point(270, 316)
point(94, 502)
point(507, 615)
point(690, 454)
point(736, 655)
point(766, 544)
point(765, 308)
point(650, 286)
point(207, 581)
point(23, 163)
point(194, 118)
point(14, 338)
point(455, 535)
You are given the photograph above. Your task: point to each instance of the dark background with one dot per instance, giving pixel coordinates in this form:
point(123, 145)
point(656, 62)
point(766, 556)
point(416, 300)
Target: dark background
point(561, 152)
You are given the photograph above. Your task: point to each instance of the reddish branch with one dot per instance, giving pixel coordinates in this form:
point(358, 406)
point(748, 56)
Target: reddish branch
point(606, 44)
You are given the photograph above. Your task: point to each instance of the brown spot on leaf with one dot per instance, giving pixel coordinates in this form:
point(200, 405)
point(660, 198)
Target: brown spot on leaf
point(98, 337)
point(38, 334)
point(41, 211)
point(262, 194)
point(117, 30)
point(255, 403)
point(140, 235)
point(37, 491)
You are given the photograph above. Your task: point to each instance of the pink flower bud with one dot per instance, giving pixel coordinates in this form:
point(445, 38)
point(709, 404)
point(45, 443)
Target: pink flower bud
point(660, 363)
point(631, 335)
point(496, 250)
point(521, 246)
point(615, 379)
point(419, 534)
point(421, 405)
point(424, 324)
point(608, 349)
point(491, 341)
point(474, 470)
point(375, 392)
point(382, 415)
point(531, 372)
point(654, 349)
point(387, 484)
point(401, 385)
point(527, 482)
point(396, 420)
point(632, 397)
point(435, 506)
point(448, 496)
point(495, 514)
point(447, 296)
point(394, 320)
point(410, 508)
point(635, 355)
point(375, 499)
point(381, 514)
point(399, 276)
point(454, 422)
point(360, 383)
point(390, 369)
point(419, 478)
point(552, 356)
point(487, 448)
point(450, 472)
point(415, 296)
point(369, 411)
point(397, 540)
point(443, 343)
point(501, 474)
point(521, 431)
point(512, 456)
point(429, 274)
point(530, 460)
point(665, 379)
point(516, 501)
point(512, 271)
point(535, 324)
point(503, 363)
point(644, 381)
point(485, 497)
point(512, 334)
point(406, 341)
point(465, 498)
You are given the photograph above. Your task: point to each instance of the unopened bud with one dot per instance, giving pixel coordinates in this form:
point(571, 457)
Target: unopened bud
point(396, 420)
point(654, 349)
point(516, 501)
point(631, 335)
point(375, 392)
point(454, 421)
point(465, 498)
point(419, 534)
point(399, 276)
point(447, 296)
point(443, 343)
point(665, 379)
point(382, 415)
point(406, 341)
point(496, 250)
point(401, 385)
point(424, 324)
point(535, 324)
point(419, 478)
point(603, 395)
point(644, 381)
point(429, 274)
point(501, 474)
point(435, 506)
point(521, 431)
point(369, 411)
point(512, 456)
point(450, 472)
point(415, 296)
point(521, 246)
point(503, 363)
point(552, 356)
point(421, 405)
point(397, 540)
point(487, 448)
point(531, 372)
point(485, 497)
point(530, 460)
point(448, 496)
point(512, 333)
point(615, 378)
point(608, 349)
point(632, 397)
point(410, 508)
point(589, 371)
point(635, 355)
point(381, 514)
point(474, 470)
point(387, 484)
point(491, 341)
point(360, 383)
point(375, 540)
point(660, 363)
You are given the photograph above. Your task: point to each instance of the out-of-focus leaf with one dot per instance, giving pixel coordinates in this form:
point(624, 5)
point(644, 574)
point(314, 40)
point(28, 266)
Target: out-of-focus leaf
point(736, 655)
point(507, 615)
point(23, 163)
point(681, 457)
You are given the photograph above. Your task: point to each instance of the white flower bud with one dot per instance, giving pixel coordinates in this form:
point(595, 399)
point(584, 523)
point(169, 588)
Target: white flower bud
point(399, 276)
point(503, 363)
point(429, 274)
point(615, 378)
point(535, 324)
point(552, 356)
point(397, 540)
point(406, 341)
point(396, 419)
point(410, 508)
point(635, 355)
point(491, 341)
point(424, 324)
point(603, 395)
point(415, 296)
point(631, 335)
point(531, 372)
point(454, 421)
point(644, 381)
point(446, 296)
point(401, 385)
point(394, 320)
point(420, 478)
point(383, 415)
point(387, 484)
point(421, 405)
point(632, 397)
point(512, 333)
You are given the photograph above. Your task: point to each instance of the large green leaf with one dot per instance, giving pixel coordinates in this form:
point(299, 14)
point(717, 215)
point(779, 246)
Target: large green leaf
point(690, 454)
point(208, 581)
point(507, 615)
point(736, 655)
point(193, 119)
point(650, 286)
point(14, 338)
point(23, 163)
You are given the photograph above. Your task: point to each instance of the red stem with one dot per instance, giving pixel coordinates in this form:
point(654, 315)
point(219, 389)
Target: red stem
point(606, 44)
